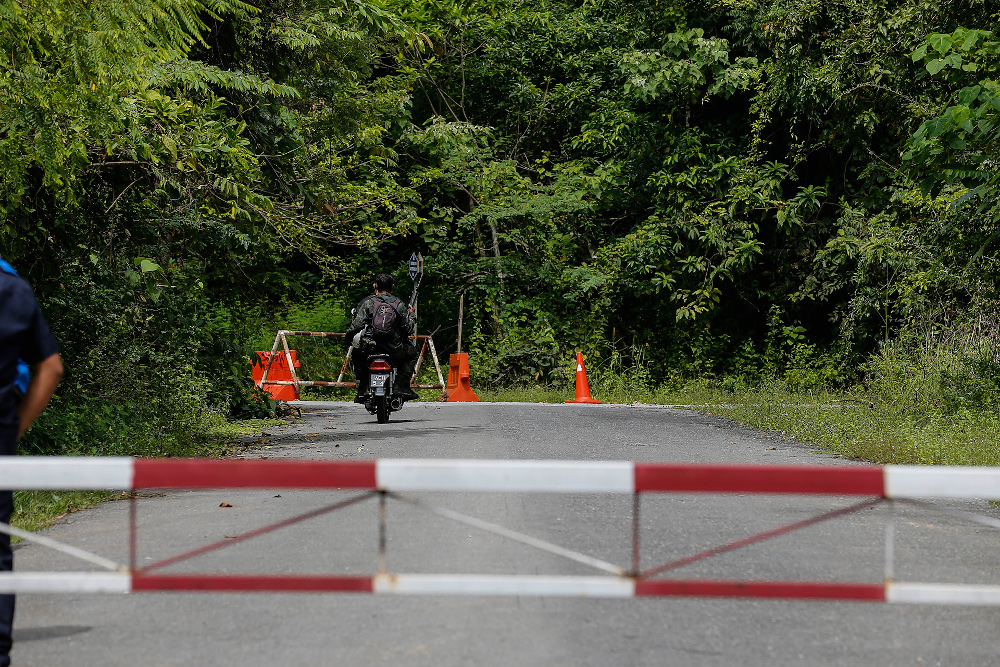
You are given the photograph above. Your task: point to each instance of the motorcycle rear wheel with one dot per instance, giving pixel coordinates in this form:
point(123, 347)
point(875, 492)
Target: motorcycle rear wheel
point(382, 410)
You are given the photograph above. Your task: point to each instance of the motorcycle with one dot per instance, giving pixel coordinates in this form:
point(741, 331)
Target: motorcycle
point(379, 399)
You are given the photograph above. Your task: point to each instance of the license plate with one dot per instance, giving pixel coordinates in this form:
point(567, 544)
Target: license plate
point(379, 380)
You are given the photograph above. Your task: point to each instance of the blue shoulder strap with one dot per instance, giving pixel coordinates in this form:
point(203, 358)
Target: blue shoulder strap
point(23, 372)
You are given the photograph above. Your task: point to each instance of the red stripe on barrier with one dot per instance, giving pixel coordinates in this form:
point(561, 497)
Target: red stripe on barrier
point(250, 583)
point(801, 590)
point(718, 478)
point(216, 474)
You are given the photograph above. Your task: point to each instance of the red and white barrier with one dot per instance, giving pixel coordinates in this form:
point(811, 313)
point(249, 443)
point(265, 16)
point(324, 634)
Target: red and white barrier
point(125, 473)
point(498, 585)
point(405, 475)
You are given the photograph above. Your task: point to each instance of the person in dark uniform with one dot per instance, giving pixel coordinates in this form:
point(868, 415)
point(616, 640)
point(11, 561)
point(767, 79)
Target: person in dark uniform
point(395, 343)
point(24, 339)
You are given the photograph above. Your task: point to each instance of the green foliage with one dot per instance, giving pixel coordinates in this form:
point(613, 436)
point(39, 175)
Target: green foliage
point(737, 195)
point(687, 68)
point(960, 146)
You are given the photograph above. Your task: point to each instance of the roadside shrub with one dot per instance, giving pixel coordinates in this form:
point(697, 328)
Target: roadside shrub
point(947, 370)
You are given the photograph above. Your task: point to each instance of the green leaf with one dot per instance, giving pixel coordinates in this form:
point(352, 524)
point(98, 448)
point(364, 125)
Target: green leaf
point(935, 66)
point(940, 42)
point(971, 37)
point(968, 95)
point(149, 266)
point(171, 146)
point(935, 127)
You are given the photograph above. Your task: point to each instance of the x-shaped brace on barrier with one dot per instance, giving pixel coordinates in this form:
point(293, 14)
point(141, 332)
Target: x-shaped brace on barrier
point(504, 532)
point(449, 514)
point(753, 539)
point(235, 539)
point(491, 528)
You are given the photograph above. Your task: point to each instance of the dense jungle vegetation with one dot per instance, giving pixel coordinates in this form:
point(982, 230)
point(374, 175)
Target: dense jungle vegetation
point(739, 196)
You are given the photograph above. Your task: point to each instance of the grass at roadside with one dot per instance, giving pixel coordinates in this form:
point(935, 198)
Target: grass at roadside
point(851, 426)
point(36, 510)
point(879, 434)
point(691, 394)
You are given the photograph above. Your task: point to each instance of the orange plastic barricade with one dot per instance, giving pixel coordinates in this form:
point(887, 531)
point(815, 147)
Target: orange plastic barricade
point(459, 385)
point(279, 371)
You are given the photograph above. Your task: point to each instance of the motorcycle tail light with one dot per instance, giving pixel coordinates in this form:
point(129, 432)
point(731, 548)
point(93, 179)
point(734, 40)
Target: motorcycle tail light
point(379, 365)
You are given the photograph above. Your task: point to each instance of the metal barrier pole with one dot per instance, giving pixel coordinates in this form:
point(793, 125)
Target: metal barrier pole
point(420, 359)
point(890, 542)
point(343, 369)
point(437, 364)
point(635, 535)
point(291, 365)
point(270, 359)
point(382, 540)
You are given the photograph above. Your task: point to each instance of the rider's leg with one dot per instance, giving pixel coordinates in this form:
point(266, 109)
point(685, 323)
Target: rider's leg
point(360, 360)
point(405, 357)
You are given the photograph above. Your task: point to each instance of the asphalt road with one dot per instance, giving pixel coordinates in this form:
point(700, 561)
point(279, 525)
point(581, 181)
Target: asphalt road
point(349, 629)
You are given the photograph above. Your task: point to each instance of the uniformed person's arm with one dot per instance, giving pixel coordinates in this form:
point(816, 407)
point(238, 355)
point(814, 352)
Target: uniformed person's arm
point(41, 352)
point(45, 376)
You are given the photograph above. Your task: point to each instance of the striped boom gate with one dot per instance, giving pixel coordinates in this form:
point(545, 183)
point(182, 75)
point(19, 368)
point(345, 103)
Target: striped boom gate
point(382, 479)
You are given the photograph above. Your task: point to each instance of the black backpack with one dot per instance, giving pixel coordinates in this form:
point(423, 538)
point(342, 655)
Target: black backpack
point(384, 318)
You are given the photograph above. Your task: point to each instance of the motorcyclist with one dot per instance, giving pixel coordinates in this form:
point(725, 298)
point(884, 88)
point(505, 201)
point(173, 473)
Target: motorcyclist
point(396, 344)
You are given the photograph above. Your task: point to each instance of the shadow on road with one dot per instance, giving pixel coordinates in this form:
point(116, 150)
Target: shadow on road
point(383, 433)
point(50, 632)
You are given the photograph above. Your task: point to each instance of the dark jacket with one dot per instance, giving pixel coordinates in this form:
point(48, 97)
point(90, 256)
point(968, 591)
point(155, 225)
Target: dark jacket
point(23, 334)
point(405, 320)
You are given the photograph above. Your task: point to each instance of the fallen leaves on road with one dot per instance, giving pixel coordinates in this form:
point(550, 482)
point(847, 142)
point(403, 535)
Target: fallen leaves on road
point(224, 505)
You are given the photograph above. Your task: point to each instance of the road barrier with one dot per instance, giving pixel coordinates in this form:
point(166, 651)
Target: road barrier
point(459, 389)
point(387, 479)
point(280, 348)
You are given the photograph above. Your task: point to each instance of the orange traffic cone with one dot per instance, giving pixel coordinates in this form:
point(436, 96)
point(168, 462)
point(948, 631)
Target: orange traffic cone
point(582, 388)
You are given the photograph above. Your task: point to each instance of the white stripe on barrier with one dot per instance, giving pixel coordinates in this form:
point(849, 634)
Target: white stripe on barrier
point(65, 582)
point(481, 584)
point(941, 482)
point(942, 594)
point(485, 475)
point(66, 472)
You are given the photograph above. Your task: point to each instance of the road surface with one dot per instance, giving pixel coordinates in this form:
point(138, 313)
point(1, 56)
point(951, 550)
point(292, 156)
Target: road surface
point(173, 629)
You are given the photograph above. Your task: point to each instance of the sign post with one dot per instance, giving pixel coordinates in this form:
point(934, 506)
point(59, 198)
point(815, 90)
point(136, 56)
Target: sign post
point(416, 275)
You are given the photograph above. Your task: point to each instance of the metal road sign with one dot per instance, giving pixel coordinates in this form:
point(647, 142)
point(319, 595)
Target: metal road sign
point(416, 265)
